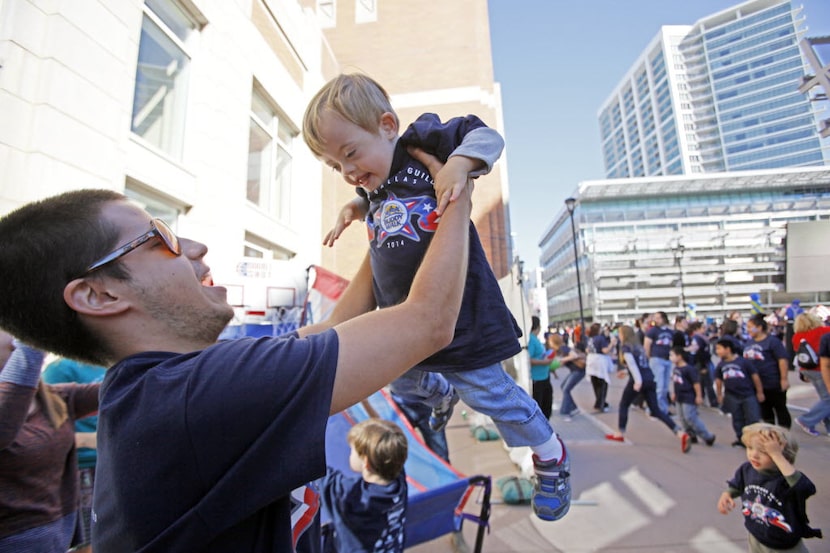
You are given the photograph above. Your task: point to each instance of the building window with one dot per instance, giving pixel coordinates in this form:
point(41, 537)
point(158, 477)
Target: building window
point(155, 205)
point(365, 11)
point(269, 158)
point(160, 98)
point(327, 13)
point(260, 248)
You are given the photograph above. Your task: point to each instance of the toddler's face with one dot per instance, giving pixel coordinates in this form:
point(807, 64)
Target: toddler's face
point(363, 158)
point(355, 461)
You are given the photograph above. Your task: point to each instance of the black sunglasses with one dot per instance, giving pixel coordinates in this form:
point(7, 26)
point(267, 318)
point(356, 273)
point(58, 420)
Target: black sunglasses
point(157, 228)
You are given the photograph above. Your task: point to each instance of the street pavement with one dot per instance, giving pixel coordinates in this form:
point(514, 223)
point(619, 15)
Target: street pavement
point(643, 495)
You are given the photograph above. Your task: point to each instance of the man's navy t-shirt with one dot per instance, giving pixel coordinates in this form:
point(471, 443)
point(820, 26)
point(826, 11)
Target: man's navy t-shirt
point(199, 452)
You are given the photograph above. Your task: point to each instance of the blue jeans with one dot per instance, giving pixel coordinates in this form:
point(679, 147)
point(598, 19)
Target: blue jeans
point(744, 410)
point(662, 377)
point(421, 386)
point(489, 391)
point(492, 392)
point(418, 414)
point(819, 412)
point(691, 421)
point(570, 382)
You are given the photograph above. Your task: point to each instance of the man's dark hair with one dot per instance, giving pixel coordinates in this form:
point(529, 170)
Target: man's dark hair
point(43, 246)
point(535, 323)
point(663, 316)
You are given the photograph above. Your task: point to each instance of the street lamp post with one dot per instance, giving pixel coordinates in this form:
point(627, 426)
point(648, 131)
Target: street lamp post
point(570, 203)
point(678, 258)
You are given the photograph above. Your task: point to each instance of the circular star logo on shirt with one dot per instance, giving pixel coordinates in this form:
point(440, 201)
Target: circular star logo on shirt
point(393, 216)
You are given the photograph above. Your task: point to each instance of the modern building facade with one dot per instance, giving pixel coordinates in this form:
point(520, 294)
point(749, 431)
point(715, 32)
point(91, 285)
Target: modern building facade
point(716, 96)
point(661, 243)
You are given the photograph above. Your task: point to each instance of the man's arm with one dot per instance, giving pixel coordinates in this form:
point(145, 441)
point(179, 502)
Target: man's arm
point(358, 298)
point(377, 347)
point(647, 346)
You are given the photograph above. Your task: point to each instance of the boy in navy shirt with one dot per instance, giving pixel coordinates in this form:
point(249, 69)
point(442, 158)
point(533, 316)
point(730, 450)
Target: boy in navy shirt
point(351, 126)
point(368, 509)
point(687, 394)
point(773, 493)
point(738, 387)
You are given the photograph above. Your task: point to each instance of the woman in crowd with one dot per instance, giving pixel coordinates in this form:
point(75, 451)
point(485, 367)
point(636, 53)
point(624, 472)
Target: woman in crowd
point(641, 380)
point(769, 356)
point(599, 364)
point(810, 328)
point(38, 463)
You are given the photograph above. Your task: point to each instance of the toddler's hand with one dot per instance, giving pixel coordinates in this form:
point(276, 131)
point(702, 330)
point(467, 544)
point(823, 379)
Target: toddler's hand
point(770, 444)
point(725, 503)
point(354, 210)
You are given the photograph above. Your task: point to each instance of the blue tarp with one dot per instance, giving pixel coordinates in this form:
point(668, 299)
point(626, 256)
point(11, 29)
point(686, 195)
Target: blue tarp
point(437, 491)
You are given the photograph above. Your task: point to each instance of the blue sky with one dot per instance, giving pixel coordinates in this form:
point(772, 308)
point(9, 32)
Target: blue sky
point(557, 61)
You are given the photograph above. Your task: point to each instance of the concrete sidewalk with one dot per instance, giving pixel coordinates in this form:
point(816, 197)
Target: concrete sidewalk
point(643, 495)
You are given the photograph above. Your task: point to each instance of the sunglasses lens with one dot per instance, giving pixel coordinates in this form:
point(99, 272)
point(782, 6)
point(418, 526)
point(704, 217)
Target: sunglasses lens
point(168, 237)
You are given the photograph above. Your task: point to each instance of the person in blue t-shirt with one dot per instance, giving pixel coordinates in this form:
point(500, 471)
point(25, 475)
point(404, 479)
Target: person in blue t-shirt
point(201, 444)
point(738, 387)
point(350, 126)
point(540, 369)
point(768, 355)
point(368, 509)
point(773, 492)
point(69, 370)
point(657, 343)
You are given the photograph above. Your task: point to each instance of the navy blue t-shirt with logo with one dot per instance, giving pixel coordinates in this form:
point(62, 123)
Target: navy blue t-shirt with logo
point(401, 223)
point(737, 377)
point(661, 341)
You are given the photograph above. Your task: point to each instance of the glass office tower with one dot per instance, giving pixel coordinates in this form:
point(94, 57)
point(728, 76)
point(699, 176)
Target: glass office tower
point(720, 95)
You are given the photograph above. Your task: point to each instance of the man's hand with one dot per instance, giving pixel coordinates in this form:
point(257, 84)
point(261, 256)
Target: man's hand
point(450, 178)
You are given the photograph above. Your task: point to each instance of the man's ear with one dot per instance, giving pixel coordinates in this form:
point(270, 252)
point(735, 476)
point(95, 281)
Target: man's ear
point(90, 296)
point(388, 125)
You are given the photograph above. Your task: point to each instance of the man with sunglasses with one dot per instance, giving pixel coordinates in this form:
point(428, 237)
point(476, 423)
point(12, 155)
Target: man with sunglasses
point(201, 443)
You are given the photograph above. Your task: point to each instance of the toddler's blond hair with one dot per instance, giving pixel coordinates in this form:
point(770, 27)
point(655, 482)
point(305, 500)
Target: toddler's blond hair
point(790, 449)
point(355, 97)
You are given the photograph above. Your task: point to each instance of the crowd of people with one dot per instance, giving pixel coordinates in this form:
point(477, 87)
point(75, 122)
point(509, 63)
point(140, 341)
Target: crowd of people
point(740, 367)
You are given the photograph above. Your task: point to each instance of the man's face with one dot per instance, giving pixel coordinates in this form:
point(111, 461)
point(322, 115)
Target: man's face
point(172, 290)
point(363, 158)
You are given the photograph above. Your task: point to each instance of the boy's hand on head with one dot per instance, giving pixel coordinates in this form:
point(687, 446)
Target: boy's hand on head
point(355, 210)
point(770, 444)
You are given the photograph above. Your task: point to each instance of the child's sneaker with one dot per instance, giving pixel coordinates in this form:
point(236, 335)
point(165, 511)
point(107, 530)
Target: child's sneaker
point(441, 415)
point(551, 498)
point(685, 442)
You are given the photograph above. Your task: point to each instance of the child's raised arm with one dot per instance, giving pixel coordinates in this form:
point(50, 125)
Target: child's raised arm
point(354, 210)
